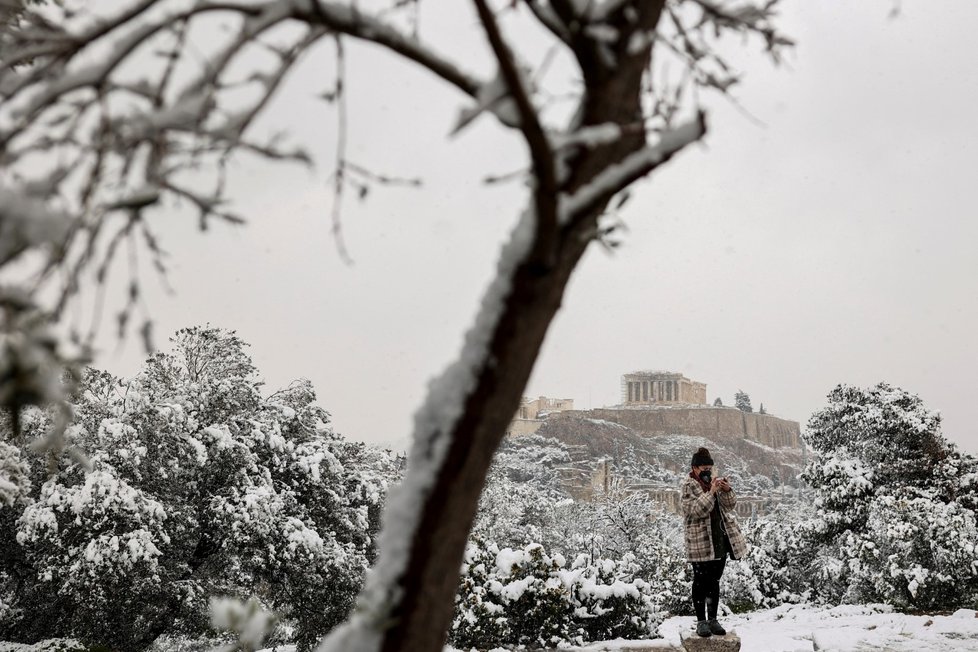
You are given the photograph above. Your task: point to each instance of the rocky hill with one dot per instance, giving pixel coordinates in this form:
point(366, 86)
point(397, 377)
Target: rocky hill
point(606, 451)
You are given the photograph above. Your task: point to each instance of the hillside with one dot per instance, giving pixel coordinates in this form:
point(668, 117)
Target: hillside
point(660, 461)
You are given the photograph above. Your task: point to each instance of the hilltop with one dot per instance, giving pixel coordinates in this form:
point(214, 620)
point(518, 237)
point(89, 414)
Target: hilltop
point(607, 451)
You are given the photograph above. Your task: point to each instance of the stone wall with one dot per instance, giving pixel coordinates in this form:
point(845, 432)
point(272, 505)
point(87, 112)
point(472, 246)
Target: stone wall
point(709, 422)
point(520, 427)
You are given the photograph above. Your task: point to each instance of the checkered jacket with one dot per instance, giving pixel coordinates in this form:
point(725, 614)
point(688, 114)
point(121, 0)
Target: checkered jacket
point(697, 505)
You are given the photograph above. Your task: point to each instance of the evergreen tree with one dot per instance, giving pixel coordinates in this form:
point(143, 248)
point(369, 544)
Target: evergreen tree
point(762, 410)
point(718, 402)
point(742, 401)
point(895, 517)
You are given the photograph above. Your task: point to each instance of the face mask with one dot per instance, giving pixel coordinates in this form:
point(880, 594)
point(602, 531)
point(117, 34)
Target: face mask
point(706, 476)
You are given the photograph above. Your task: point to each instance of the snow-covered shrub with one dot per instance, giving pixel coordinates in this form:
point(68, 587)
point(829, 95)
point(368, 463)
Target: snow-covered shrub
point(523, 502)
point(613, 601)
point(15, 479)
point(916, 552)
point(199, 487)
point(894, 510)
point(527, 597)
point(773, 571)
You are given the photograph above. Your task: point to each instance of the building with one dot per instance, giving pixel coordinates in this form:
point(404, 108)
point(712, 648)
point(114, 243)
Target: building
point(532, 412)
point(648, 388)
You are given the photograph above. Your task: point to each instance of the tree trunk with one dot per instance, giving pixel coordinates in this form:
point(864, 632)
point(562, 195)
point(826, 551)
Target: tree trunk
point(421, 620)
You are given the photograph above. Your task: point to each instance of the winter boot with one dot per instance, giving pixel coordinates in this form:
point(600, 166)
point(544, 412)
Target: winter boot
point(703, 629)
point(714, 626)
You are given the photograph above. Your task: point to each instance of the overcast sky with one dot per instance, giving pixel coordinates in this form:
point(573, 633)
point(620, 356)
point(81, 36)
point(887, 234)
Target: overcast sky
point(831, 243)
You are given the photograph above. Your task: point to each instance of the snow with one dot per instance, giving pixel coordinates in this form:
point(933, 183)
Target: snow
point(805, 628)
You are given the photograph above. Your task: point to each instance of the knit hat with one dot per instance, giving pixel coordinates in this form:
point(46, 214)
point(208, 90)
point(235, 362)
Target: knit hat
point(702, 458)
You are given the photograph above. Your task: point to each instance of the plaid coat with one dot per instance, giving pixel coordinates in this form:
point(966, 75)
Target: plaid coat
point(697, 505)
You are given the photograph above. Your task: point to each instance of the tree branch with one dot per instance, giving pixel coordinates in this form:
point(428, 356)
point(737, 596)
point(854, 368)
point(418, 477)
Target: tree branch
point(617, 177)
point(541, 154)
point(349, 20)
point(549, 19)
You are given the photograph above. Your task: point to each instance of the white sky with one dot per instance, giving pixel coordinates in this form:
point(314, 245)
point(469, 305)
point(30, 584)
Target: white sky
point(832, 245)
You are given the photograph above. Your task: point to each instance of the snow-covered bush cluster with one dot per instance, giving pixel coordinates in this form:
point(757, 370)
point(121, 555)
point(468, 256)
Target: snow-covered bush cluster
point(524, 502)
point(618, 539)
point(527, 597)
point(199, 487)
point(893, 518)
point(895, 502)
point(773, 573)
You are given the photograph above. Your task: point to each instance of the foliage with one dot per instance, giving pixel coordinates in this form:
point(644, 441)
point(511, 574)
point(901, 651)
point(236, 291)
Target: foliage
point(895, 517)
point(523, 500)
point(526, 597)
point(523, 503)
point(742, 401)
point(199, 487)
point(773, 573)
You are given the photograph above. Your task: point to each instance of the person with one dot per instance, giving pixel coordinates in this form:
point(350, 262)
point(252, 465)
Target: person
point(712, 533)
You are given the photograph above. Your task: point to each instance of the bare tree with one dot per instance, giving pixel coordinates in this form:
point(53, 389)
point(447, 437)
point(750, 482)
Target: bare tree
point(88, 150)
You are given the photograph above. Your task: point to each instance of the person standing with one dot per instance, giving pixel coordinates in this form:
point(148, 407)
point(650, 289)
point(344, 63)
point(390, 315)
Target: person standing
point(712, 533)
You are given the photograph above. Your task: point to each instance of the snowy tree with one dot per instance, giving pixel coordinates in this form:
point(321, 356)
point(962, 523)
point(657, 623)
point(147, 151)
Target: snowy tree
point(895, 516)
point(200, 487)
point(520, 509)
point(106, 118)
point(523, 500)
point(742, 401)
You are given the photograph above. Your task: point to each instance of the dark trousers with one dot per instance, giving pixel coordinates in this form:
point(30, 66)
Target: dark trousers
point(706, 587)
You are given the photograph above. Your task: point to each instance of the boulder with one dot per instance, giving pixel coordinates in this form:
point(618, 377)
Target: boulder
point(729, 642)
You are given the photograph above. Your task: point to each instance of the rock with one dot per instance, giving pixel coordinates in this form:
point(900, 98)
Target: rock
point(730, 642)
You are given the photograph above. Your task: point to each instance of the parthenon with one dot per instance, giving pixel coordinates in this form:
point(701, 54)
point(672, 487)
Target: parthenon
point(658, 387)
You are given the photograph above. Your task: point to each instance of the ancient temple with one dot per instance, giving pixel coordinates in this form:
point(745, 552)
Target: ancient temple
point(660, 388)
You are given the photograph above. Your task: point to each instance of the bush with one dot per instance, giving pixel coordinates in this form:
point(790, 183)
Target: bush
point(525, 597)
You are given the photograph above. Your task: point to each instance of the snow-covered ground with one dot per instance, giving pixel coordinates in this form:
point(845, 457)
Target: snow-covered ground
point(789, 628)
point(800, 628)
point(851, 628)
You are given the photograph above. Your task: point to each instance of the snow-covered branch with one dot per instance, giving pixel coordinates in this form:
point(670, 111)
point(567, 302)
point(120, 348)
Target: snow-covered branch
point(347, 19)
point(617, 177)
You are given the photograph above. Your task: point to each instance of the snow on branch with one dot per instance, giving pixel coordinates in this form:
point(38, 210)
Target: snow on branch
point(617, 177)
point(347, 19)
